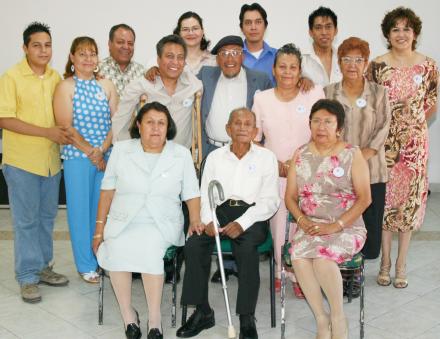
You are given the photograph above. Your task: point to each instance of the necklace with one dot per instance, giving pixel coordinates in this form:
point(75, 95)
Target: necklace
point(327, 151)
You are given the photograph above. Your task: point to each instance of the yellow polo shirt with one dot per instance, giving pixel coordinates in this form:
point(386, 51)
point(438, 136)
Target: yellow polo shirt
point(28, 97)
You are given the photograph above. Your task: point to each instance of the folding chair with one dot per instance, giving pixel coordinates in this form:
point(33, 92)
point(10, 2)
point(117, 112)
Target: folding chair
point(170, 254)
point(350, 268)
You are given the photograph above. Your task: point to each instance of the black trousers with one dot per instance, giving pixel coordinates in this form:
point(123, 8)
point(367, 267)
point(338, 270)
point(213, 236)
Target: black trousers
point(373, 219)
point(198, 250)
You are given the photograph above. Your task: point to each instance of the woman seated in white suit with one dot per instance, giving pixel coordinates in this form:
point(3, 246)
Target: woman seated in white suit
point(139, 211)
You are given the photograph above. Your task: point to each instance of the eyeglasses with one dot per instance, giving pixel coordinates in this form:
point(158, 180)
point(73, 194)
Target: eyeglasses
point(326, 122)
point(350, 60)
point(193, 29)
point(233, 53)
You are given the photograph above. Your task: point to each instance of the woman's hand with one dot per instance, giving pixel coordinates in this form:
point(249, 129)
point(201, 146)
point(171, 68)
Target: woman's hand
point(283, 169)
point(320, 229)
point(96, 243)
point(196, 227)
point(305, 84)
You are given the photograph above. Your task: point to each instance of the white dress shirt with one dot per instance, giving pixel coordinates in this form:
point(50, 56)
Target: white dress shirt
point(230, 93)
point(253, 179)
point(313, 69)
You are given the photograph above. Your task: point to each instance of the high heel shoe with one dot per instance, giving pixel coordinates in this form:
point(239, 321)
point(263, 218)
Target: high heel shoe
point(133, 330)
point(383, 278)
point(400, 280)
point(340, 328)
point(323, 327)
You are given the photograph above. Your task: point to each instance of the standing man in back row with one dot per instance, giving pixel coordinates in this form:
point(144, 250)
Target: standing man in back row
point(31, 160)
point(258, 55)
point(321, 64)
point(119, 67)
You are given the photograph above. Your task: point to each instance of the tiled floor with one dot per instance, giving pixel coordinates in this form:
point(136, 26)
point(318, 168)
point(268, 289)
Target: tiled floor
point(71, 312)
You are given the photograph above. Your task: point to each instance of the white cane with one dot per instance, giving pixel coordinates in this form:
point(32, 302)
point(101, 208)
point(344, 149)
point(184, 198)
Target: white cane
point(215, 184)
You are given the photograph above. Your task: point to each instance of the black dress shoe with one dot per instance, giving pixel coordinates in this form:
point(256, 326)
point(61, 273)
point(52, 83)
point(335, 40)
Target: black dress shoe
point(169, 277)
point(248, 329)
point(196, 323)
point(133, 330)
point(217, 278)
point(154, 333)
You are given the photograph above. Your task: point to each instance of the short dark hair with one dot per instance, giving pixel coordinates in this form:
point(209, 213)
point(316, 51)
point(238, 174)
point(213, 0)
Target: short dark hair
point(290, 49)
point(401, 13)
point(253, 7)
point(157, 106)
point(32, 28)
point(334, 107)
point(111, 34)
point(324, 12)
point(204, 43)
point(170, 39)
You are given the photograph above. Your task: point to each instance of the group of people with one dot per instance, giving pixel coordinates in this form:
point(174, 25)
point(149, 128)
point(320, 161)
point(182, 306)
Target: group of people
point(336, 140)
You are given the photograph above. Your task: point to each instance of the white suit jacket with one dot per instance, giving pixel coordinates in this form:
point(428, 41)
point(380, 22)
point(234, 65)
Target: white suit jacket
point(160, 190)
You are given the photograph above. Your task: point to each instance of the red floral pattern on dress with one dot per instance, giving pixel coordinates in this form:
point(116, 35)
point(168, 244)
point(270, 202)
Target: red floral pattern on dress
point(412, 92)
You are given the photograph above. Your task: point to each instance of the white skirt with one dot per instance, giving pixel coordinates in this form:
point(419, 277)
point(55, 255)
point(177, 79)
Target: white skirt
point(140, 247)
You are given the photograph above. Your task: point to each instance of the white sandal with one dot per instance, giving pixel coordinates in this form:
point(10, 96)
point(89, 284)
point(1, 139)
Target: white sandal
point(91, 277)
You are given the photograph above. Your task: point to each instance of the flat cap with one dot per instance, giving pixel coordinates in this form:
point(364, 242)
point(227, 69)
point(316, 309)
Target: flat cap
point(227, 40)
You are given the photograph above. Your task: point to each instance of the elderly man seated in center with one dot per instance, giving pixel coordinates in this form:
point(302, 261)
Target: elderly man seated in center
point(249, 176)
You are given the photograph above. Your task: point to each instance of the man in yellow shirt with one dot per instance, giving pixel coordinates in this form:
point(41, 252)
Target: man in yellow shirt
point(31, 160)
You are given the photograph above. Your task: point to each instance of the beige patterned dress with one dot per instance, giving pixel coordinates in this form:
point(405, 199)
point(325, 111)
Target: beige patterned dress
point(325, 194)
point(412, 92)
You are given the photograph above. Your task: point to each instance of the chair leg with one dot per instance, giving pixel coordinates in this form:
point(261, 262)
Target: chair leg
point(350, 285)
point(101, 297)
point(362, 295)
point(174, 287)
point(272, 289)
point(184, 310)
point(283, 299)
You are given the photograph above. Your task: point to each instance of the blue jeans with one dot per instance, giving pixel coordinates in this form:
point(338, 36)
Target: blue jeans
point(83, 185)
point(33, 200)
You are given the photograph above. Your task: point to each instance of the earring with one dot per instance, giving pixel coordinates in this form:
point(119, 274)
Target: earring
point(338, 134)
point(96, 70)
point(72, 68)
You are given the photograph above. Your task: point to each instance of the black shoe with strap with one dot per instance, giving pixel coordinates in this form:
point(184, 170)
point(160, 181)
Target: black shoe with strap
point(196, 323)
point(248, 330)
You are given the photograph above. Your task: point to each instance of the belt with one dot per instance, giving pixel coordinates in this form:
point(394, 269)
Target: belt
point(237, 203)
point(216, 143)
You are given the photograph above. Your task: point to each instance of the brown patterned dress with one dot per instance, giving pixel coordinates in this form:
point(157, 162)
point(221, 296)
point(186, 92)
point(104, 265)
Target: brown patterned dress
point(412, 92)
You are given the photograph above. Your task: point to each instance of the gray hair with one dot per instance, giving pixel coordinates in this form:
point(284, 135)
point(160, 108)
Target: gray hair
point(290, 49)
point(241, 109)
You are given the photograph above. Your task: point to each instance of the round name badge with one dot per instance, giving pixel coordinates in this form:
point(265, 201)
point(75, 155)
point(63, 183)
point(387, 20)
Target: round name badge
point(338, 172)
point(100, 96)
point(301, 109)
point(187, 102)
point(361, 102)
point(418, 79)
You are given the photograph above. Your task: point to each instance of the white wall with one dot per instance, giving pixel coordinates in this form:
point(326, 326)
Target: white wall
point(154, 19)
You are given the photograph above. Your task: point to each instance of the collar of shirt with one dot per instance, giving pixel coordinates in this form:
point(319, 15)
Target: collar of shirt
point(266, 50)
point(231, 154)
point(340, 95)
point(240, 77)
point(25, 69)
point(115, 65)
point(182, 82)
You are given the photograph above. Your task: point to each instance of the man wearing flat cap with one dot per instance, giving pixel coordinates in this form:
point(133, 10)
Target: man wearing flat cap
point(226, 87)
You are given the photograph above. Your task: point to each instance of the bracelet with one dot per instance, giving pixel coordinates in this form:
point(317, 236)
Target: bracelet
point(341, 224)
point(97, 236)
point(299, 218)
point(101, 149)
point(99, 221)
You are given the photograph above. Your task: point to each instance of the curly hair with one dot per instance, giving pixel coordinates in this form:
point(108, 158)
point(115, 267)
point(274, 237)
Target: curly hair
point(401, 13)
point(353, 43)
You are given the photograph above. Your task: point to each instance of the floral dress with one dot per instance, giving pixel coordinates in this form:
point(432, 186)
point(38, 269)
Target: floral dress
point(412, 92)
point(325, 192)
